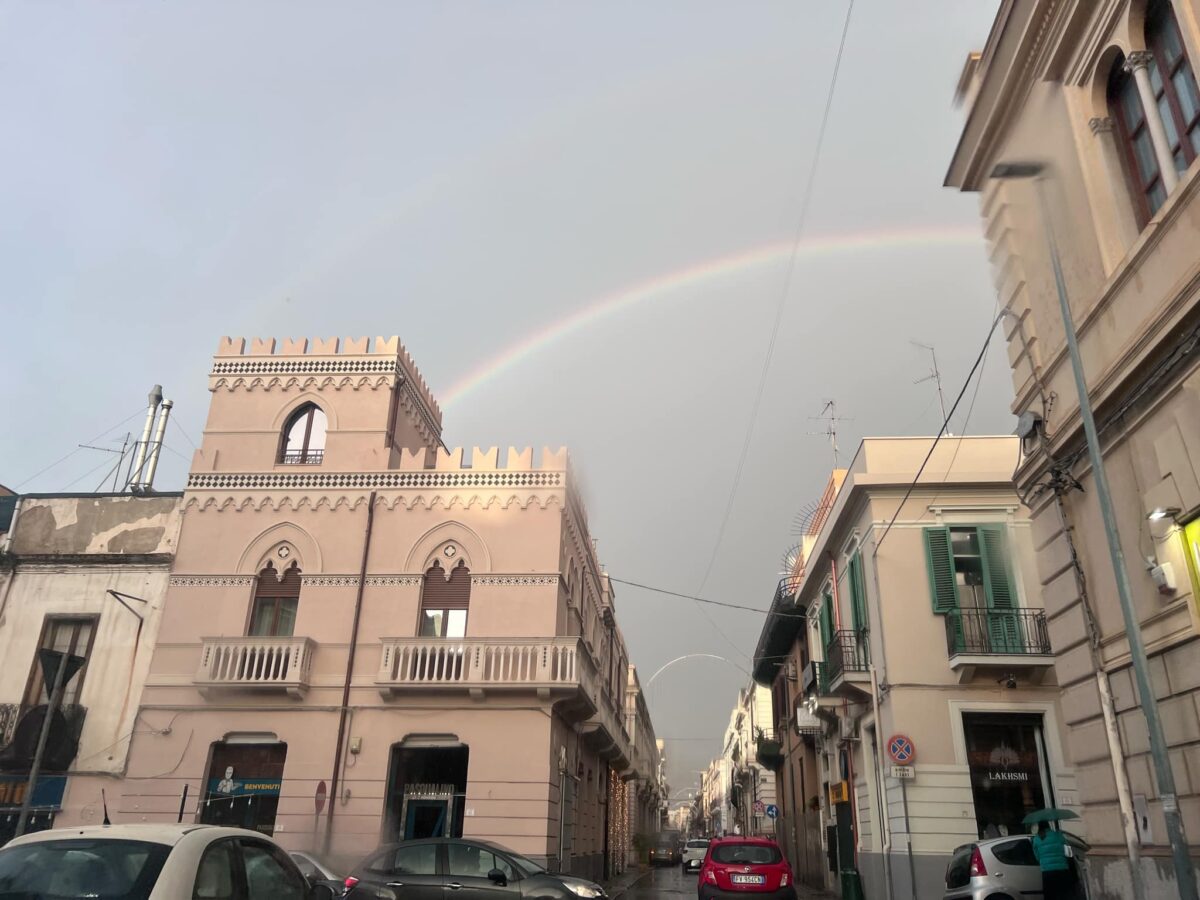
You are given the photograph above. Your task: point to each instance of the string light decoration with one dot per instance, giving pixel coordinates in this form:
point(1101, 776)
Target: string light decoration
point(618, 821)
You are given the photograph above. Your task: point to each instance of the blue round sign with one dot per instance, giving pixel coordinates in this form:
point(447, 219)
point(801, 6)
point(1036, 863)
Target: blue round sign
point(772, 811)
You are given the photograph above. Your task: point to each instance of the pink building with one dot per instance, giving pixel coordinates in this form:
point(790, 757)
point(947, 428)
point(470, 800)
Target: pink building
point(368, 637)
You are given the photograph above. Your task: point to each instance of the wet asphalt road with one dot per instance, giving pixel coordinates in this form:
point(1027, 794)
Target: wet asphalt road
point(663, 882)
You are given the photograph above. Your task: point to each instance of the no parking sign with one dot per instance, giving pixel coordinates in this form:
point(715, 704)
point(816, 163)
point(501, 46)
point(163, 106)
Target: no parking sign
point(901, 750)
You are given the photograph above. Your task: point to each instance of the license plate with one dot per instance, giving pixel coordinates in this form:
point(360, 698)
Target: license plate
point(747, 879)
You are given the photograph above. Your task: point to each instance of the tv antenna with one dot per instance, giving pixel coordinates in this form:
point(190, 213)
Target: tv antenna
point(115, 471)
point(829, 416)
point(935, 376)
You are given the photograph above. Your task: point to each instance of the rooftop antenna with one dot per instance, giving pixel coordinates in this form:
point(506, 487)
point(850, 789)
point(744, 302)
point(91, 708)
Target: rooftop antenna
point(935, 376)
point(116, 469)
point(829, 415)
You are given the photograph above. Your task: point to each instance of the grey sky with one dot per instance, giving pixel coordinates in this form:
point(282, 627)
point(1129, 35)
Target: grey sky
point(466, 175)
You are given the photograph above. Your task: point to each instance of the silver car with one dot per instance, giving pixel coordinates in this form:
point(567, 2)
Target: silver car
point(1005, 869)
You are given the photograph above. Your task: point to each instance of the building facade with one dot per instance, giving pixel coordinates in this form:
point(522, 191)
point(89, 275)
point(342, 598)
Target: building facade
point(921, 644)
point(84, 574)
point(1102, 96)
point(646, 792)
point(367, 637)
point(750, 754)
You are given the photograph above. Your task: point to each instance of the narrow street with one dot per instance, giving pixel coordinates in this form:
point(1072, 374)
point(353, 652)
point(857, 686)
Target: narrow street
point(671, 882)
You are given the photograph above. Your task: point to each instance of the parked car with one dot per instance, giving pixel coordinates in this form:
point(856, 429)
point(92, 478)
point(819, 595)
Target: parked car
point(745, 867)
point(152, 862)
point(665, 850)
point(473, 870)
point(694, 852)
point(317, 870)
point(1004, 869)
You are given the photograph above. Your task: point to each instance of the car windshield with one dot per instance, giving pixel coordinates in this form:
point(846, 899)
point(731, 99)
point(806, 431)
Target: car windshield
point(754, 854)
point(81, 868)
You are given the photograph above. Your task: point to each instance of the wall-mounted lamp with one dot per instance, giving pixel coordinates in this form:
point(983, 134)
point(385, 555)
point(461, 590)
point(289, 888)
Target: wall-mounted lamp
point(1163, 512)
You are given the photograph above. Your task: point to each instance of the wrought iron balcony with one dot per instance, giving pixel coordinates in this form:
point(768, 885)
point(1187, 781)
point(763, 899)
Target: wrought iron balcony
point(1013, 642)
point(815, 680)
point(1006, 632)
point(255, 663)
point(846, 653)
point(301, 457)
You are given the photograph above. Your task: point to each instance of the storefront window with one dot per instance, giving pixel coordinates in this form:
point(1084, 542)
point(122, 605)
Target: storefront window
point(243, 786)
point(1009, 774)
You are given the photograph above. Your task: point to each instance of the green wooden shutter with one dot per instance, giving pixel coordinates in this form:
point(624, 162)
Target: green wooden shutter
point(858, 594)
point(943, 588)
point(1003, 626)
point(826, 622)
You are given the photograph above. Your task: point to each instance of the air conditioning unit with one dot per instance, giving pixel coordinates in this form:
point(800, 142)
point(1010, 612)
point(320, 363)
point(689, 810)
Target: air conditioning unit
point(847, 730)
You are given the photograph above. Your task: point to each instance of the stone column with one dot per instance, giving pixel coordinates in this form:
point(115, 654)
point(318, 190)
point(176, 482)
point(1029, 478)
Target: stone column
point(1138, 63)
point(1123, 231)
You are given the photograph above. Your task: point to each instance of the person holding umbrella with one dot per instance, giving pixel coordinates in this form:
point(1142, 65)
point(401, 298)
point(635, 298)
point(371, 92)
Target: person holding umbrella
point(1050, 848)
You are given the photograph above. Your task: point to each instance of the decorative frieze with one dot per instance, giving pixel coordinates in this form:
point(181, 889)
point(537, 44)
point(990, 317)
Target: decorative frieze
point(395, 580)
point(211, 580)
point(514, 580)
point(371, 480)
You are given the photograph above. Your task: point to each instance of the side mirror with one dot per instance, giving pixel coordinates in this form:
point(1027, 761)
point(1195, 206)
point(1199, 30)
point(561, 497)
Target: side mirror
point(498, 877)
point(320, 892)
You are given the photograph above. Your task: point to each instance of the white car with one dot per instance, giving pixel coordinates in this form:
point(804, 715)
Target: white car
point(693, 854)
point(152, 862)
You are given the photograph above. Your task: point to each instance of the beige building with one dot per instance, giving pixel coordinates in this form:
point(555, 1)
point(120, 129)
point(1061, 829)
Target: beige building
point(85, 574)
point(916, 617)
point(750, 753)
point(368, 637)
point(1103, 95)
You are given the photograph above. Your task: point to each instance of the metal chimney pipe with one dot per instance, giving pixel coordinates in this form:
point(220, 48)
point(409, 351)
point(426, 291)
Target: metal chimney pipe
point(156, 446)
point(139, 458)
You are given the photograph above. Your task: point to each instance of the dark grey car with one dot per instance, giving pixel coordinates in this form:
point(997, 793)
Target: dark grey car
point(461, 869)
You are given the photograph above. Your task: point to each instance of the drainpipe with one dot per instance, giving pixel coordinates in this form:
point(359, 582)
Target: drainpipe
point(853, 800)
point(885, 821)
point(1108, 708)
point(345, 708)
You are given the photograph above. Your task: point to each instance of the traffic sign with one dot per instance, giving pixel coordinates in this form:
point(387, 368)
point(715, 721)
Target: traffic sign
point(772, 811)
point(903, 772)
point(319, 797)
point(901, 750)
point(760, 807)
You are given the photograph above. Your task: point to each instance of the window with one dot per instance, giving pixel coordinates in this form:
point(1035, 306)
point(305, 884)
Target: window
point(419, 859)
point(215, 879)
point(1177, 102)
point(826, 619)
point(67, 634)
point(444, 601)
point(858, 594)
point(276, 600)
point(304, 437)
point(469, 861)
point(970, 581)
point(270, 875)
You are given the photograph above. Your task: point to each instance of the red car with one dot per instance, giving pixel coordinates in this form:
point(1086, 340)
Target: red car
point(747, 868)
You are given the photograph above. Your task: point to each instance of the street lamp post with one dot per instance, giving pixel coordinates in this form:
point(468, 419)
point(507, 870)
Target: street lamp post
point(1184, 874)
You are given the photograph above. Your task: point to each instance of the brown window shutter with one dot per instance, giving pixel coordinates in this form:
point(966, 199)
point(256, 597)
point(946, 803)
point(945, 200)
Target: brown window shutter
point(271, 585)
point(440, 592)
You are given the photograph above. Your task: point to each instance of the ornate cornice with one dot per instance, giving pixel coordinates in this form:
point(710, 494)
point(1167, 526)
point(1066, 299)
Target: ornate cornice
point(395, 580)
point(287, 481)
point(303, 383)
point(350, 501)
point(1100, 124)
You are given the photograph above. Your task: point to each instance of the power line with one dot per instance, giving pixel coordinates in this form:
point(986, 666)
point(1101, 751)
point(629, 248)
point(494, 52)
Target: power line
point(781, 305)
point(658, 590)
point(941, 431)
point(186, 436)
point(76, 450)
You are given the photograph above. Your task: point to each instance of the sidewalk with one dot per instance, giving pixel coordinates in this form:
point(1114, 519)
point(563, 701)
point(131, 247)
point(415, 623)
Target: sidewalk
point(615, 887)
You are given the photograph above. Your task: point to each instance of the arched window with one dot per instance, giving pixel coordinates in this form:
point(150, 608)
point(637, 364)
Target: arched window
point(1177, 105)
point(304, 436)
point(275, 601)
point(444, 601)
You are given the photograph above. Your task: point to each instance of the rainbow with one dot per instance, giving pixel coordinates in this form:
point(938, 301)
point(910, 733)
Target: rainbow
point(694, 276)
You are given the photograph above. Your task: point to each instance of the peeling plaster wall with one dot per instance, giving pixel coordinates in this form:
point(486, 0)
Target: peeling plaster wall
point(98, 524)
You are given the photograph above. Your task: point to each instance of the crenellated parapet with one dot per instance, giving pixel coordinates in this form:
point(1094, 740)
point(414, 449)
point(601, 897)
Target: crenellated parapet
point(264, 363)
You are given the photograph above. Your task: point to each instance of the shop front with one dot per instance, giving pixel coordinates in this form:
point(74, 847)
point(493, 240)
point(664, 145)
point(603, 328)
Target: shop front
point(47, 803)
point(243, 785)
point(1010, 773)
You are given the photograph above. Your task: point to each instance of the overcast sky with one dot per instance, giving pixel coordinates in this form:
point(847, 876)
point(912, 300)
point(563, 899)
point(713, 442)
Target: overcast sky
point(469, 176)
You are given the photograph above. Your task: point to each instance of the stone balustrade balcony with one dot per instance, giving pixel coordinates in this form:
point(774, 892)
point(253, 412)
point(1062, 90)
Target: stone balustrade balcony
point(259, 664)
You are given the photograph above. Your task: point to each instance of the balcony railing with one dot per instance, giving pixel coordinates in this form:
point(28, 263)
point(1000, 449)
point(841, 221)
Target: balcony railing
point(815, 679)
point(281, 663)
point(990, 632)
point(847, 652)
point(483, 663)
point(301, 457)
